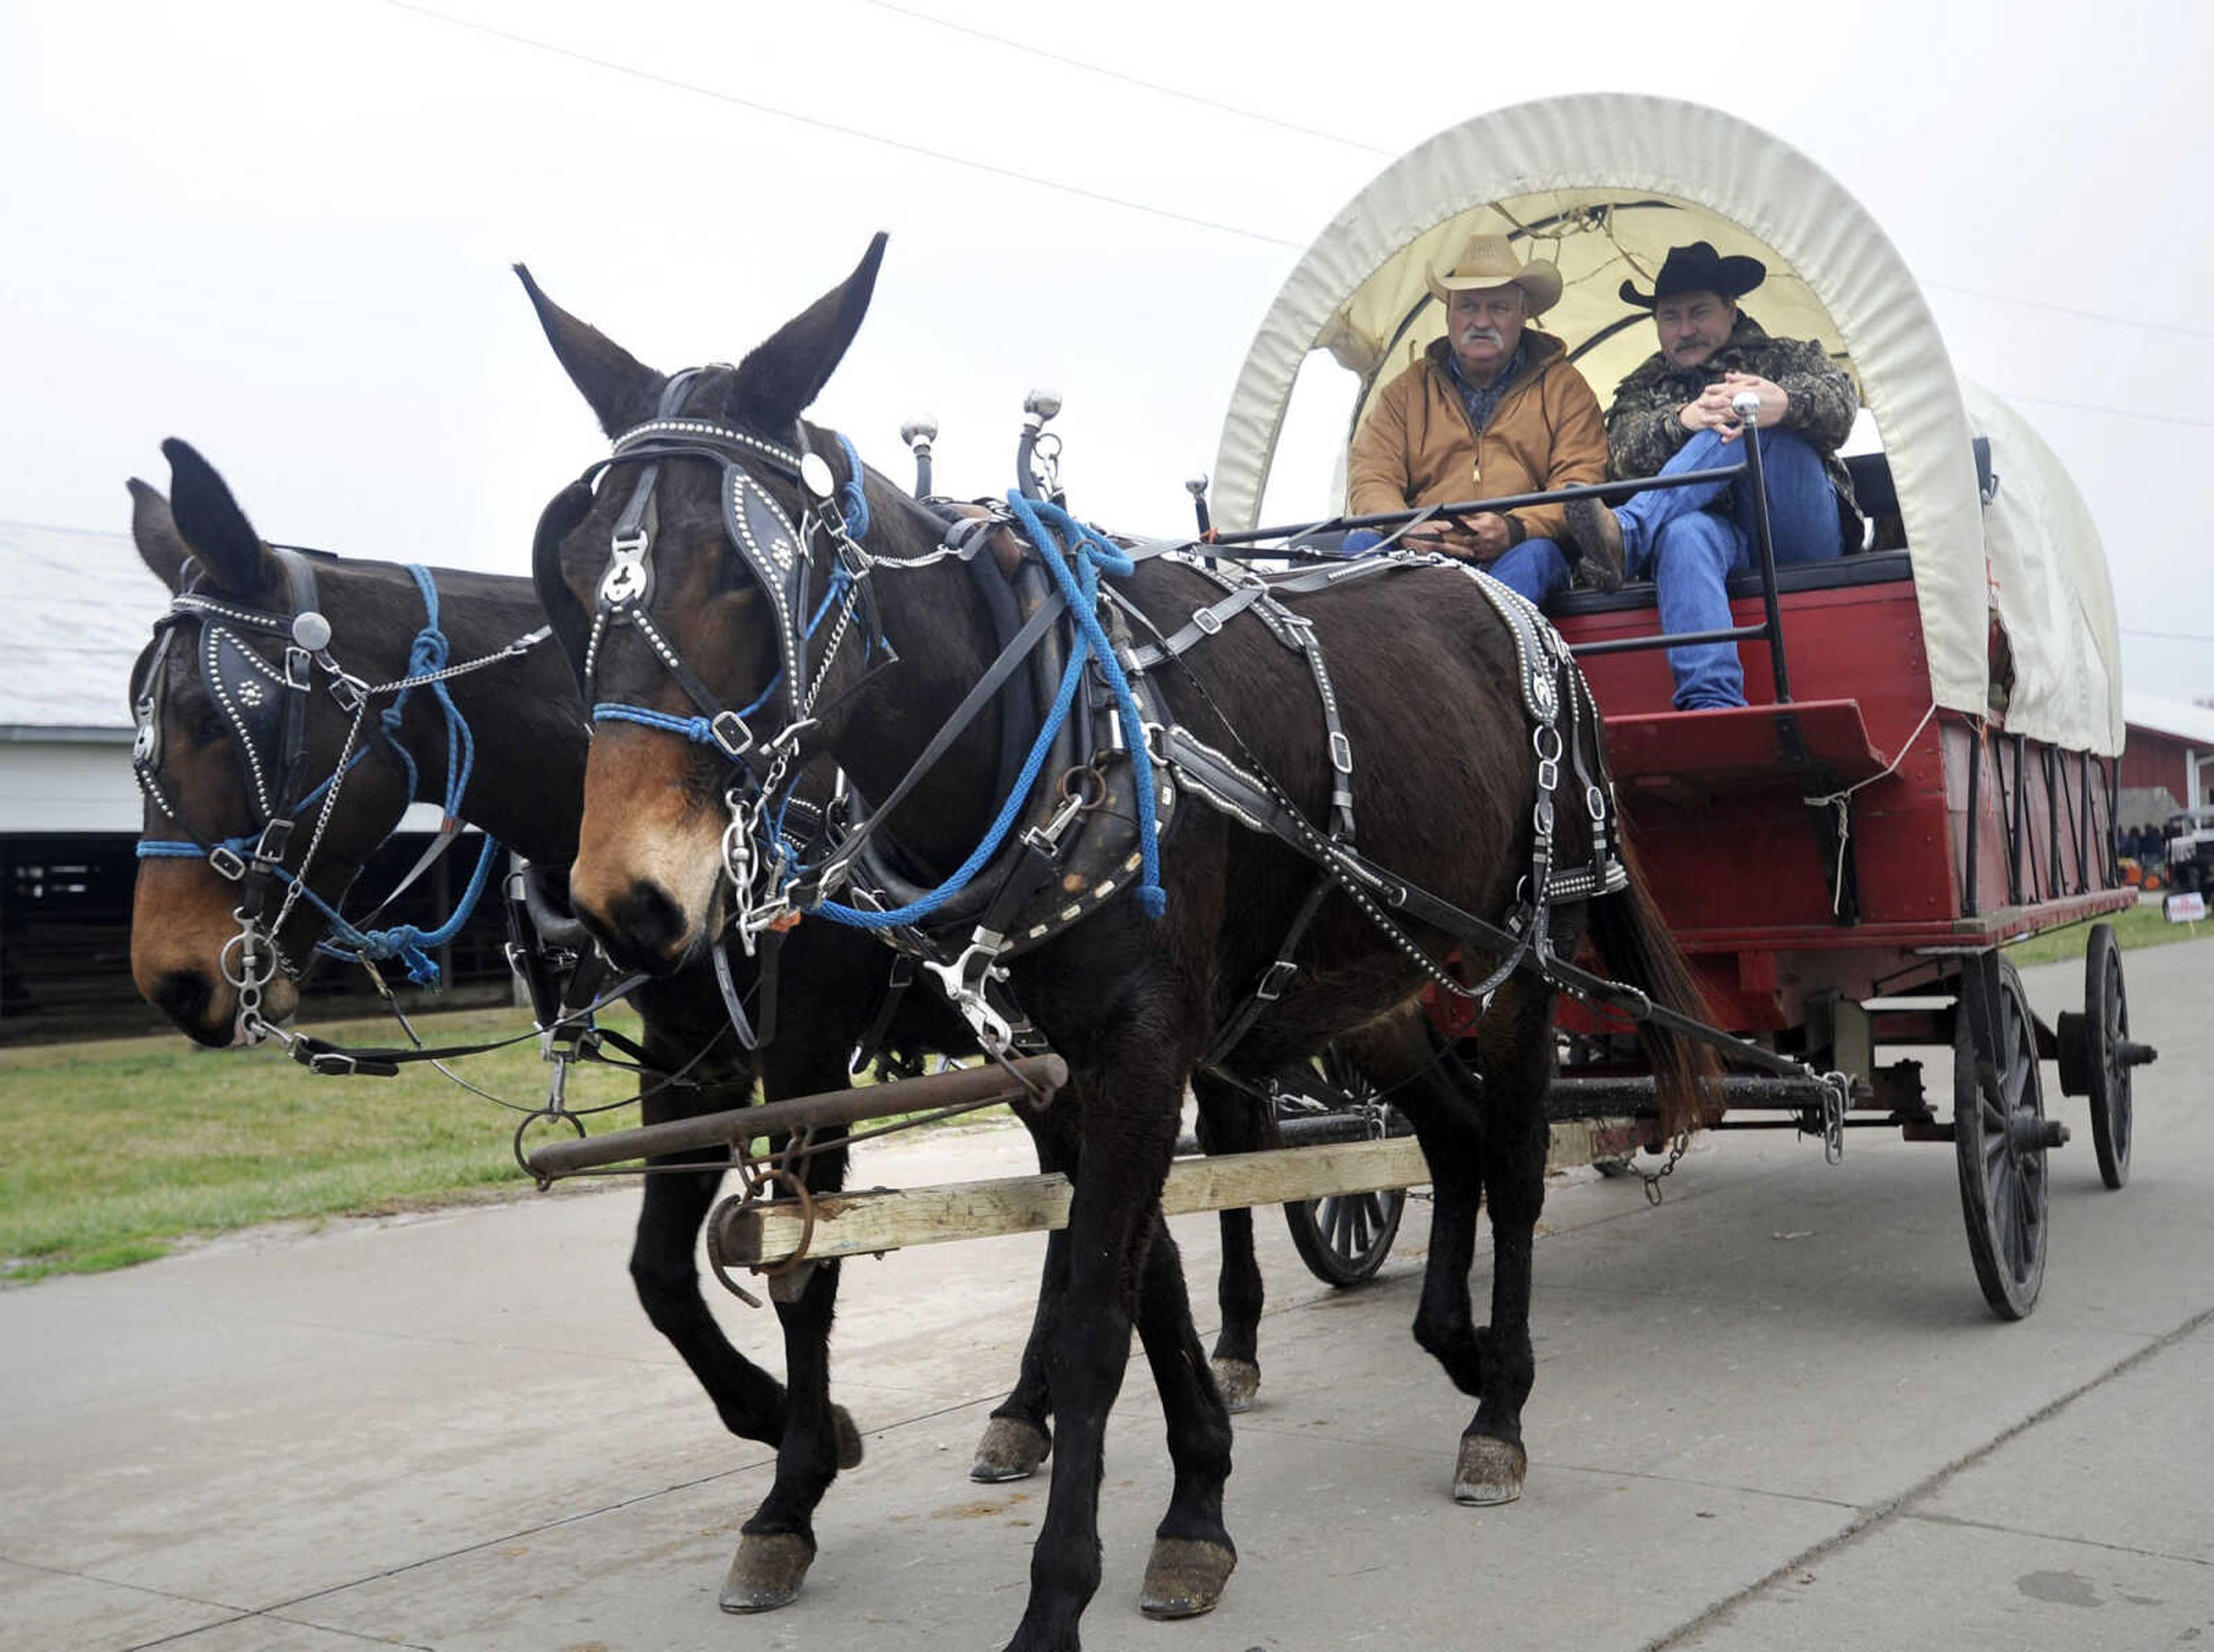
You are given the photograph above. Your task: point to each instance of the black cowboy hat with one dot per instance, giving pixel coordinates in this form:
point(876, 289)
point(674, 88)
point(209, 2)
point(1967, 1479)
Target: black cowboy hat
point(1698, 269)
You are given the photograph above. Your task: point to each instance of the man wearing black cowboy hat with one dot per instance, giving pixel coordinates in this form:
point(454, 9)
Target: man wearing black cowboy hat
point(1673, 414)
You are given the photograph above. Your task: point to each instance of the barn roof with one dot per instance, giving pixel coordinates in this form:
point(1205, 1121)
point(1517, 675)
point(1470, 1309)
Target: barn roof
point(78, 606)
point(2178, 719)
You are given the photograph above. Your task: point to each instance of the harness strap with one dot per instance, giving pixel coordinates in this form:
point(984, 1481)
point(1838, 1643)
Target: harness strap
point(1274, 981)
point(1019, 649)
point(871, 1044)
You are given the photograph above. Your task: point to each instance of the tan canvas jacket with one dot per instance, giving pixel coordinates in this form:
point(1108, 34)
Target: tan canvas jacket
point(1418, 447)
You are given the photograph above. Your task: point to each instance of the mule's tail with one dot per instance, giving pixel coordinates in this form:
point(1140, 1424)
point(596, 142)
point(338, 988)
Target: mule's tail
point(1634, 944)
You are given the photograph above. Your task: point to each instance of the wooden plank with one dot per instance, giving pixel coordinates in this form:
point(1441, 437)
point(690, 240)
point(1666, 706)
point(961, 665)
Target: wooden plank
point(856, 1224)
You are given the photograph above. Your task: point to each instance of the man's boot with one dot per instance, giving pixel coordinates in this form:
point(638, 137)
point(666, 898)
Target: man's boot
point(1595, 534)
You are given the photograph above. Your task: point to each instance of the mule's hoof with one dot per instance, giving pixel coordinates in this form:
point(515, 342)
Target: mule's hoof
point(767, 1571)
point(1011, 1450)
point(1240, 1380)
point(1490, 1471)
point(848, 1438)
point(1184, 1576)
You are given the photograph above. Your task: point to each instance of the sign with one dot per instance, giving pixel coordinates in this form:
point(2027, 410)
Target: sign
point(2187, 908)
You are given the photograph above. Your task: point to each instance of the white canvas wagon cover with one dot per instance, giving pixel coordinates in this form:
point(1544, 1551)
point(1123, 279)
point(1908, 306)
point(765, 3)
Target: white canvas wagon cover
point(1603, 184)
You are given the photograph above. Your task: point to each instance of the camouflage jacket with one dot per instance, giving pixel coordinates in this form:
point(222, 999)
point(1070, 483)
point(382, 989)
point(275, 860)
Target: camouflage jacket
point(1643, 430)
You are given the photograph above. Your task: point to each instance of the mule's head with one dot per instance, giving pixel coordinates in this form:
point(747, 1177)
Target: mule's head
point(208, 696)
point(679, 624)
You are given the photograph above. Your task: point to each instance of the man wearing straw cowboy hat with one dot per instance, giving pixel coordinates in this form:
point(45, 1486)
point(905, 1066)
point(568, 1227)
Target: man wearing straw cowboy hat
point(1673, 414)
point(1491, 409)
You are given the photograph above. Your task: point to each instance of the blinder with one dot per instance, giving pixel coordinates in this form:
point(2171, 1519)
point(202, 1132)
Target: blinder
point(263, 705)
point(572, 627)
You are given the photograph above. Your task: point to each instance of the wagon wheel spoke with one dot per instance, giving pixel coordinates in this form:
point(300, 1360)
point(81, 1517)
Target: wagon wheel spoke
point(1998, 1111)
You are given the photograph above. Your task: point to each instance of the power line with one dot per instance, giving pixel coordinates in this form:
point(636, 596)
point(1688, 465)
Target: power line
point(2110, 413)
point(2069, 309)
point(1029, 50)
point(656, 78)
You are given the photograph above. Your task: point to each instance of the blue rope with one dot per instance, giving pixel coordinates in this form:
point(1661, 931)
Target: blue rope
point(981, 856)
point(1042, 520)
point(857, 502)
point(411, 946)
point(169, 849)
point(1081, 587)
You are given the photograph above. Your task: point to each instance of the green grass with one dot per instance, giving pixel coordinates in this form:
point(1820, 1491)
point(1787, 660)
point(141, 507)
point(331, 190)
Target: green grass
point(2138, 926)
point(119, 1150)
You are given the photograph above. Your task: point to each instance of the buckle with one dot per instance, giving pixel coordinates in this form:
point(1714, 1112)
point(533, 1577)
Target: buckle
point(226, 860)
point(730, 734)
point(299, 667)
point(1341, 753)
point(347, 691)
point(1274, 983)
point(1207, 620)
point(332, 1063)
point(275, 836)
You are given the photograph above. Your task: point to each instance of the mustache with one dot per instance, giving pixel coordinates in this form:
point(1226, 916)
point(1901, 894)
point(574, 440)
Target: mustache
point(1484, 335)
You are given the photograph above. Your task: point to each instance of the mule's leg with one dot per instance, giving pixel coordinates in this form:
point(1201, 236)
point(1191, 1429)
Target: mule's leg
point(777, 1545)
point(1517, 1064)
point(1019, 1436)
point(1192, 1552)
point(1129, 1103)
point(750, 1401)
point(1231, 1121)
point(1454, 1139)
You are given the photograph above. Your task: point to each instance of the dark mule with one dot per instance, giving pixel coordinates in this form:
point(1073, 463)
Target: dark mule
point(1428, 691)
point(527, 790)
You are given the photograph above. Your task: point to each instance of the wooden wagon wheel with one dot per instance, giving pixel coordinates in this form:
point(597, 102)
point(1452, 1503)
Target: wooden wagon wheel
point(1343, 1237)
point(2107, 1052)
point(2000, 1135)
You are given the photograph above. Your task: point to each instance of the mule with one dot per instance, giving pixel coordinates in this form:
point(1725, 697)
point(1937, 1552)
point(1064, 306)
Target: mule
point(1428, 689)
point(526, 791)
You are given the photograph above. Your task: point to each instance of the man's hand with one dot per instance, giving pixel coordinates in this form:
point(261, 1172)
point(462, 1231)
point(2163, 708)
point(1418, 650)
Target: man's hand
point(1711, 410)
point(1775, 400)
point(1485, 539)
point(1489, 531)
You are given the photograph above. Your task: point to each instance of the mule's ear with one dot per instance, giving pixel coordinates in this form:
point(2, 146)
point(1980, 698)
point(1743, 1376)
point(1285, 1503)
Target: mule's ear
point(160, 547)
point(621, 390)
point(214, 529)
point(780, 379)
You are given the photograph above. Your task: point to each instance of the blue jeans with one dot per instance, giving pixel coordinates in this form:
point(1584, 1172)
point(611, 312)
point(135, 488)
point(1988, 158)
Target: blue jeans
point(1689, 541)
point(1535, 568)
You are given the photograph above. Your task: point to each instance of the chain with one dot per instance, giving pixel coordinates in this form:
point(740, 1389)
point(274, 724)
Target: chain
point(1653, 1179)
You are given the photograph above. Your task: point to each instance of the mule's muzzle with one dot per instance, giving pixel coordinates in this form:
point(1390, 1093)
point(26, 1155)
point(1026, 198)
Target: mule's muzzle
point(643, 929)
point(187, 997)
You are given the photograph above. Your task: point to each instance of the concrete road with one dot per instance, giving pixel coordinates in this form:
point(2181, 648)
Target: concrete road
point(1772, 1412)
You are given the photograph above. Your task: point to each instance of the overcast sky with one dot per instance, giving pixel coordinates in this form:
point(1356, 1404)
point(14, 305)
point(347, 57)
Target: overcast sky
point(283, 230)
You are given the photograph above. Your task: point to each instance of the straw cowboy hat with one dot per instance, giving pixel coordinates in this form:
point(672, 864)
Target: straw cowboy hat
point(1490, 261)
point(1698, 269)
